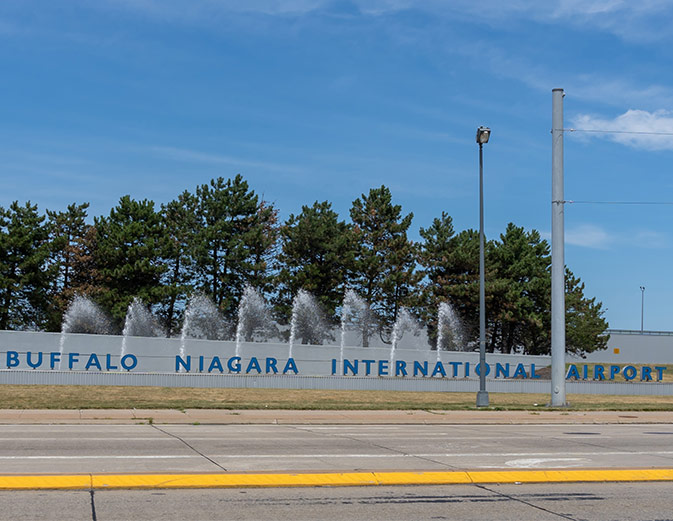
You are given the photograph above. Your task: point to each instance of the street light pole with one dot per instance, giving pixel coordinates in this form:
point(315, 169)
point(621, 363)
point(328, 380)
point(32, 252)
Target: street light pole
point(483, 133)
point(642, 307)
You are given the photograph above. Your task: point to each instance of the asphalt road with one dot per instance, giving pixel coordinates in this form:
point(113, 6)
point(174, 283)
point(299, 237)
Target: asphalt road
point(31, 449)
point(128, 448)
point(604, 501)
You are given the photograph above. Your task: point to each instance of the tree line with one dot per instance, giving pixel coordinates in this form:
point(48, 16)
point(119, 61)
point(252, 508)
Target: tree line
point(223, 236)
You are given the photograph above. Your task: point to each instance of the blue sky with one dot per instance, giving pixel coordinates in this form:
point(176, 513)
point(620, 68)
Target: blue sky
point(315, 100)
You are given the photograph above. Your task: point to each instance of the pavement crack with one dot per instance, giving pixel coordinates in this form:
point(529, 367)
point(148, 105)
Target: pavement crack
point(190, 446)
point(378, 446)
point(93, 505)
point(608, 448)
point(587, 443)
point(519, 500)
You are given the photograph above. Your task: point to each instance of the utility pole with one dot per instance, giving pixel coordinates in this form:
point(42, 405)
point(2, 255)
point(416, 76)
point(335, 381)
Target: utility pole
point(558, 307)
point(642, 308)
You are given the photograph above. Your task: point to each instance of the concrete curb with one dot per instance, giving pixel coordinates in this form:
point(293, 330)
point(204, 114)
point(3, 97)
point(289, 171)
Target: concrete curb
point(317, 417)
point(328, 479)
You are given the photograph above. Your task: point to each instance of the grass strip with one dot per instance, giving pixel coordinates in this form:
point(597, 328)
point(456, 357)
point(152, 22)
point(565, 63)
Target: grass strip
point(112, 397)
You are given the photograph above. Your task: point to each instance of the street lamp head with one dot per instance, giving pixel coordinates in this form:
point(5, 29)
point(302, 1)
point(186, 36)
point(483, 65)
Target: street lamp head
point(483, 133)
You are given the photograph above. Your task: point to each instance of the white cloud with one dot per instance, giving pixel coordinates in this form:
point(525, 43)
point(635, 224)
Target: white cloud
point(205, 10)
point(633, 128)
point(618, 91)
point(597, 237)
point(195, 156)
point(588, 236)
point(612, 90)
point(626, 18)
point(650, 239)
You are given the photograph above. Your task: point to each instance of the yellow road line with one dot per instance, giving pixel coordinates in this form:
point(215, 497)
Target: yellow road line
point(326, 479)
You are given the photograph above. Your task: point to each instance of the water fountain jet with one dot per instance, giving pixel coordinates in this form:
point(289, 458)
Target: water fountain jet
point(254, 319)
point(449, 330)
point(308, 321)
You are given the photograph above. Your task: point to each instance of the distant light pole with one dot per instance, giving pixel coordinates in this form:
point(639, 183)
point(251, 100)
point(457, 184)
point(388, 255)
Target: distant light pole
point(642, 307)
point(483, 133)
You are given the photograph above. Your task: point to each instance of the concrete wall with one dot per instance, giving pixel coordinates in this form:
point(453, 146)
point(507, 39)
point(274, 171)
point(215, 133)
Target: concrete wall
point(156, 365)
point(159, 354)
point(634, 347)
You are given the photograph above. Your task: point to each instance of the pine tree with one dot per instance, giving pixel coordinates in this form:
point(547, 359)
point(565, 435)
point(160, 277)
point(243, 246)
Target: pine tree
point(450, 264)
point(67, 232)
point(263, 248)
point(179, 221)
point(86, 278)
point(384, 264)
point(316, 250)
point(519, 289)
point(228, 250)
point(585, 325)
point(25, 275)
point(433, 254)
point(128, 254)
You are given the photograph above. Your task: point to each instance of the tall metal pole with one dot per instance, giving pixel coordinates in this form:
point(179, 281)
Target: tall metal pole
point(558, 311)
point(482, 395)
point(642, 308)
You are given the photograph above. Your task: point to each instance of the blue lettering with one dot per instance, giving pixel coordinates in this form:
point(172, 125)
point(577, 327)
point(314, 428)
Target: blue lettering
point(72, 358)
point(129, 361)
point(439, 369)
point(13, 359)
point(54, 358)
point(646, 374)
point(290, 366)
point(573, 372)
point(614, 370)
point(253, 364)
point(585, 372)
point(532, 372)
point(368, 366)
point(353, 366)
point(629, 373)
point(201, 363)
point(660, 372)
point(383, 367)
point(519, 371)
point(108, 363)
point(477, 369)
point(420, 368)
point(234, 364)
point(215, 363)
point(455, 366)
point(467, 369)
point(271, 365)
point(500, 370)
point(598, 372)
point(32, 364)
point(334, 366)
point(400, 368)
point(179, 361)
point(93, 360)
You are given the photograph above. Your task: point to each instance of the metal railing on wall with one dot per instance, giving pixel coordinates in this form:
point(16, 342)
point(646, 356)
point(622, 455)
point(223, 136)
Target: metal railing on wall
point(21, 377)
point(639, 332)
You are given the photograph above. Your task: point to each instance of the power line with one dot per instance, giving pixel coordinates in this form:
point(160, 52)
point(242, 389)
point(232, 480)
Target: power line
point(601, 131)
point(622, 202)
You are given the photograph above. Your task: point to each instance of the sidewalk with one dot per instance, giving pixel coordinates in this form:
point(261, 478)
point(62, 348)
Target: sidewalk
point(266, 416)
